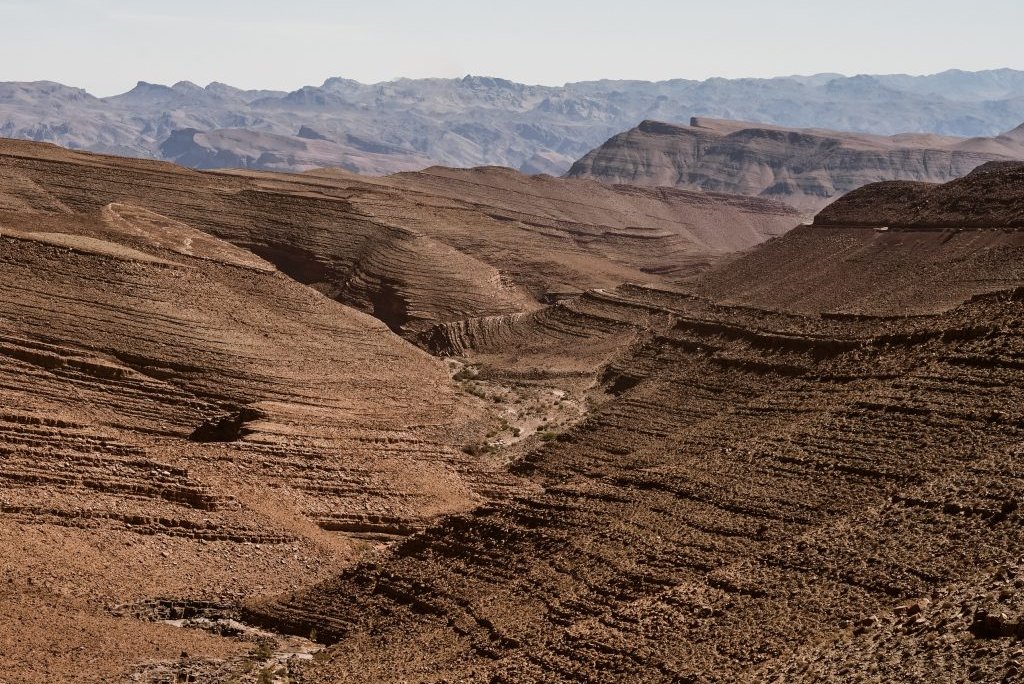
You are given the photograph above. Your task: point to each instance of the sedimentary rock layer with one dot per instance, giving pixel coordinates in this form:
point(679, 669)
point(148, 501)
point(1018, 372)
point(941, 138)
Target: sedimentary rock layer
point(889, 248)
point(195, 415)
point(768, 495)
point(418, 249)
point(806, 168)
point(764, 488)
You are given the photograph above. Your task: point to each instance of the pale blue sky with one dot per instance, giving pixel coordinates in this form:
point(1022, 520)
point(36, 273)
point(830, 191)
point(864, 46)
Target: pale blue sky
point(106, 46)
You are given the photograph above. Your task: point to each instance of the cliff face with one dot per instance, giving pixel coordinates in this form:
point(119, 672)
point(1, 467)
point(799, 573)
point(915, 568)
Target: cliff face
point(806, 168)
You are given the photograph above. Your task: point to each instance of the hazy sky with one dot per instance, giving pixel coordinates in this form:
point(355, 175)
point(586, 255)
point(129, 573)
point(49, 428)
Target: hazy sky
point(106, 46)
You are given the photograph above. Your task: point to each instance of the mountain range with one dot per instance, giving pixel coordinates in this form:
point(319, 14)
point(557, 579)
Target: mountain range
point(406, 124)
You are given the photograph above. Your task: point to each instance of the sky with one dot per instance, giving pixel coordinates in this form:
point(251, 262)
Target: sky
point(106, 46)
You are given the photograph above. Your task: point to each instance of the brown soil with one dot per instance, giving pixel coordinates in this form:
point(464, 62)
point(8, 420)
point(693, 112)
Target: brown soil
point(772, 470)
point(770, 488)
point(192, 413)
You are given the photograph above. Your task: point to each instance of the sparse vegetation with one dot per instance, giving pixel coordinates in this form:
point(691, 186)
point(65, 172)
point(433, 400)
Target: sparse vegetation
point(476, 391)
point(478, 449)
point(264, 650)
point(465, 374)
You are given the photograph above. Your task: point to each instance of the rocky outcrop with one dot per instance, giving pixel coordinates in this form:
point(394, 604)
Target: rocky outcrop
point(991, 196)
point(806, 168)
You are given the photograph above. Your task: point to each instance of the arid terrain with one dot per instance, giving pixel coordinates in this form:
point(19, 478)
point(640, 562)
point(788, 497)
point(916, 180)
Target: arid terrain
point(206, 404)
point(476, 426)
point(806, 168)
point(760, 494)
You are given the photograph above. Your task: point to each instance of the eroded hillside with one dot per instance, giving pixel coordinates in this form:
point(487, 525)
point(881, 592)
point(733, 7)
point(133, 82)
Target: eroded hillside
point(806, 168)
point(799, 463)
point(417, 249)
point(765, 496)
point(890, 248)
point(195, 415)
point(765, 488)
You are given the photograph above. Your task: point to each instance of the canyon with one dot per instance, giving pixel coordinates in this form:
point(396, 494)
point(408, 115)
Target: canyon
point(210, 392)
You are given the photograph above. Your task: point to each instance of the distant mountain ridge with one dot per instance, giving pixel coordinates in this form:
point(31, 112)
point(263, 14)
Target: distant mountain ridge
point(804, 167)
point(479, 120)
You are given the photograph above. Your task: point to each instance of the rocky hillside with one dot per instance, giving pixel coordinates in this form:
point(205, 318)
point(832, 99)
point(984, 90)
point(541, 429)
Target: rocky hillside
point(757, 495)
point(420, 248)
point(474, 121)
point(801, 465)
point(806, 168)
point(891, 248)
point(768, 498)
point(203, 398)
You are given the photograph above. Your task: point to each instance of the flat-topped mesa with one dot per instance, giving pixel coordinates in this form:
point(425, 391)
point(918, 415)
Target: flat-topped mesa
point(805, 167)
point(991, 196)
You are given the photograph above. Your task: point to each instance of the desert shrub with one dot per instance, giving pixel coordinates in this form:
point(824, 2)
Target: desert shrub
point(264, 650)
point(478, 449)
point(476, 392)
